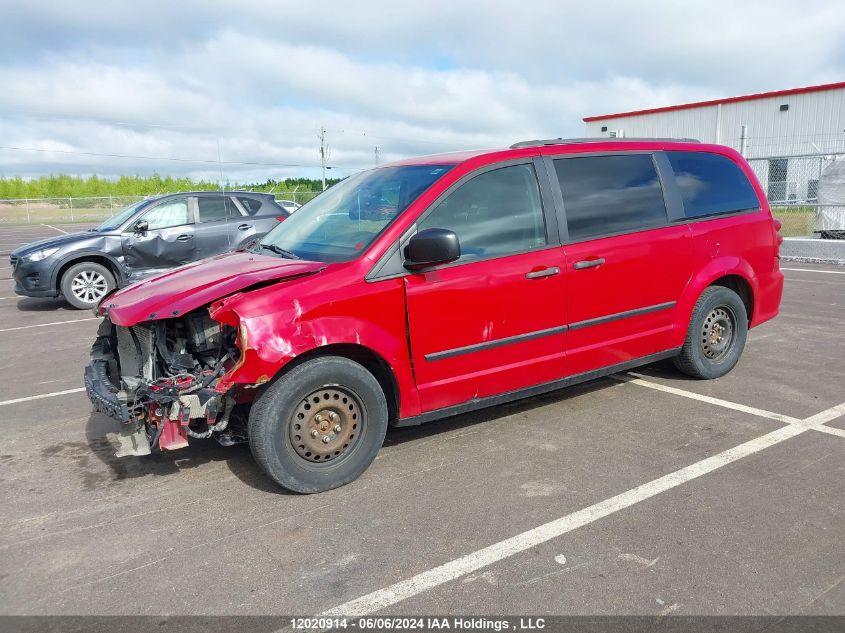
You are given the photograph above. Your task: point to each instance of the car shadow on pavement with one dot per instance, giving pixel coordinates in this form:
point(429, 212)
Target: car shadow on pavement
point(47, 305)
point(198, 453)
point(665, 369)
point(240, 463)
point(398, 436)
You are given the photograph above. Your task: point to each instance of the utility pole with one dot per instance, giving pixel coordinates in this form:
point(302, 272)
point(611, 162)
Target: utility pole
point(324, 153)
point(376, 152)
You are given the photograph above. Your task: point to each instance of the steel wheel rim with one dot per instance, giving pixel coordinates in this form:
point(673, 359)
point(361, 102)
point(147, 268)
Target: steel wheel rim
point(718, 333)
point(326, 425)
point(89, 286)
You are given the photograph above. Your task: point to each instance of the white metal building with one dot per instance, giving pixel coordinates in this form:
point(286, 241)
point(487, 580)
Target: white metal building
point(793, 134)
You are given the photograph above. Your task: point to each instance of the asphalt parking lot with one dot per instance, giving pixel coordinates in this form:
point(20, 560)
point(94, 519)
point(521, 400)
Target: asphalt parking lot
point(641, 494)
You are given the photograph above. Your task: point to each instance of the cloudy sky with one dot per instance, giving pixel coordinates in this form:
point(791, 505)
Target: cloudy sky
point(240, 89)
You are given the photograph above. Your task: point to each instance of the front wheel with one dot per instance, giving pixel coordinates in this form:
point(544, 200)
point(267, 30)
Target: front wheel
point(319, 426)
point(84, 284)
point(716, 336)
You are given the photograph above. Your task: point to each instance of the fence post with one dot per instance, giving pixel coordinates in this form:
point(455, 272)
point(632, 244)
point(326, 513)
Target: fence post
point(70, 200)
point(818, 202)
point(28, 219)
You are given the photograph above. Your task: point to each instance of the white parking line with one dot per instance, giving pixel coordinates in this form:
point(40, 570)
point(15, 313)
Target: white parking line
point(41, 396)
point(815, 422)
point(49, 226)
point(826, 416)
point(640, 380)
point(813, 270)
point(26, 327)
point(426, 580)
point(830, 430)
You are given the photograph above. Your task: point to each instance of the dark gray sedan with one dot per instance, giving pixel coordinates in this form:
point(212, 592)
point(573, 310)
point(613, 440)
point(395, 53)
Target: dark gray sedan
point(146, 238)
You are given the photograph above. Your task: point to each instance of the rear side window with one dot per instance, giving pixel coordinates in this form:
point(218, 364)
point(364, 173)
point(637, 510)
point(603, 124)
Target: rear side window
point(605, 195)
point(494, 214)
point(214, 208)
point(250, 204)
point(711, 184)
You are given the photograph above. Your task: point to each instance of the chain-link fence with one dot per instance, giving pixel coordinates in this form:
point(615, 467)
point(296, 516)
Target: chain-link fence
point(74, 210)
point(62, 210)
point(804, 193)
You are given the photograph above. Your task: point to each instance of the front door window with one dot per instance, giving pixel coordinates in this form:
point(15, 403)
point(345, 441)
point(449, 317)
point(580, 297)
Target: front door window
point(496, 213)
point(172, 213)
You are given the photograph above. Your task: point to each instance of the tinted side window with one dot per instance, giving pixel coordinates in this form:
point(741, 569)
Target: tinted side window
point(711, 184)
point(603, 195)
point(250, 204)
point(496, 213)
point(212, 208)
point(173, 213)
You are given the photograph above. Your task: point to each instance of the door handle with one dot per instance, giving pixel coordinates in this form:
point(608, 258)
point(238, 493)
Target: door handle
point(546, 272)
point(588, 263)
point(185, 237)
point(244, 227)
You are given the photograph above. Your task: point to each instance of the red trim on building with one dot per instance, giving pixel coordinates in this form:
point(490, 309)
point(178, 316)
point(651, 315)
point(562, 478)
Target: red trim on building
point(700, 104)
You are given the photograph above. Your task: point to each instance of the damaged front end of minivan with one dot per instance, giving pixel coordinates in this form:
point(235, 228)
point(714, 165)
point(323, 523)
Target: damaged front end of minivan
point(158, 379)
point(168, 355)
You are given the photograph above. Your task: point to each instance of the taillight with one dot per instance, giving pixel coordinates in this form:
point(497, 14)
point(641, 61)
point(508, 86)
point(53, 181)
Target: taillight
point(281, 218)
point(778, 224)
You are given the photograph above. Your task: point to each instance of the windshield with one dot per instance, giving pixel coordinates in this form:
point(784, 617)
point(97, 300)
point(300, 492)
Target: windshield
point(341, 222)
point(116, 221)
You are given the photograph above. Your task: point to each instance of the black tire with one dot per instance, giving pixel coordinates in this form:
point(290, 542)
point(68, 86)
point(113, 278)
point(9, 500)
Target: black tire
point(84, 285)
point(330, 387)
point(716, 336)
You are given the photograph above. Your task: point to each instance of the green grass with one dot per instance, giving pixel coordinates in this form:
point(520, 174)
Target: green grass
point(41, 212)
point(795, 221)
point(64, 186)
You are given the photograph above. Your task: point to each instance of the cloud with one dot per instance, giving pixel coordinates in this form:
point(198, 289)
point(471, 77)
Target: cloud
point(202, 82)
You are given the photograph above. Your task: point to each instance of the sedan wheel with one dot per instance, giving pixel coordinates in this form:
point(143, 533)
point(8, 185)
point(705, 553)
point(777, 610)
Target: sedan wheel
point(85, 284)
point(89, 286)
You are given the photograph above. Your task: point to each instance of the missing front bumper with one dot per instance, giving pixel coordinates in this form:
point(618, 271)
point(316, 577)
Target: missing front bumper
point(102, 393)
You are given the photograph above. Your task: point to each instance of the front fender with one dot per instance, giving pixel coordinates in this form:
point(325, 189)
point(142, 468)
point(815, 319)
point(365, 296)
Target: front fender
point(270, 339)
point(80, 256)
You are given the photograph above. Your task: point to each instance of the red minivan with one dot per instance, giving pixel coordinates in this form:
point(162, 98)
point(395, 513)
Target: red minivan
point(434, 286)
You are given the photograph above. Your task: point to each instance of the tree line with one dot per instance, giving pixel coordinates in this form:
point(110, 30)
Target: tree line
point(64, 186)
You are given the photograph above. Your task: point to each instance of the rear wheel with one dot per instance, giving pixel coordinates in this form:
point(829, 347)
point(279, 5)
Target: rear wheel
point(84, 284)
point(319, 426)
point(716, 336)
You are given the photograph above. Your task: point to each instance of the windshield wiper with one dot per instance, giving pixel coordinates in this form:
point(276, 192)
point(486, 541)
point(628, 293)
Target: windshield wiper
point(279, 251)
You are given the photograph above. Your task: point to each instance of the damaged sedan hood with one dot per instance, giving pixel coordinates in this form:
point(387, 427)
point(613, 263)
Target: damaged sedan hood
point(184, 289)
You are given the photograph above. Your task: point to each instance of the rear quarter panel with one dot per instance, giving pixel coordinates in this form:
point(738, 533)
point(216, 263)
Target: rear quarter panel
point(742, 245)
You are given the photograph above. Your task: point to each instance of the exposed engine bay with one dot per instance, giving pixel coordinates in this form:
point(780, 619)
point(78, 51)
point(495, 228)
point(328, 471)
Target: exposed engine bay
point(158, 379)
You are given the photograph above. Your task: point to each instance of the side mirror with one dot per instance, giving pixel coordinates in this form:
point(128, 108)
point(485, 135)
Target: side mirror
point(431, 247)
point(141, 226)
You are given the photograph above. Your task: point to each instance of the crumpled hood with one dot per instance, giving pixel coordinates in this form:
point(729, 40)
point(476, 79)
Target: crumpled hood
point(186, 288)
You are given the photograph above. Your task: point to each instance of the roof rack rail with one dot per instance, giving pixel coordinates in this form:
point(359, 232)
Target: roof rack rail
point(596, 139)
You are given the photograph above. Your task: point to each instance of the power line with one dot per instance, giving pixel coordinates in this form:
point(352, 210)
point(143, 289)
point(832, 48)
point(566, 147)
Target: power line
point(172, 159)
